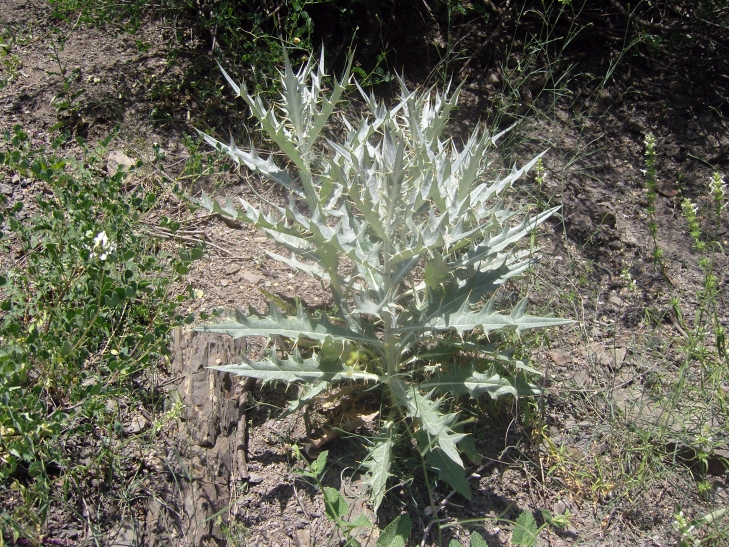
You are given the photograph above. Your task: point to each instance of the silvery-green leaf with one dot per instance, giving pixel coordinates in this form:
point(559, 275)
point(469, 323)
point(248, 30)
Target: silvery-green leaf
point(254, 162)
point(295, 368)
point(488, 320)
point(436, 271)
point(472, 382)
point(378, 465)
point(294, 327)
point(311, 269)
point(436, 424)
point(508, 236)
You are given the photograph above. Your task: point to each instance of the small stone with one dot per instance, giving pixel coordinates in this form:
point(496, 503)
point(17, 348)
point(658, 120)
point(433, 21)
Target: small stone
point(615, 299)
point(559, 357)
point(225, 282)
point(581, 378)
point(302, 538)
point(254, 478)
point(249, 277)
point(559, 508)
point(232, 269)
point(6, 189)
point(138, 424)
point(118, 159)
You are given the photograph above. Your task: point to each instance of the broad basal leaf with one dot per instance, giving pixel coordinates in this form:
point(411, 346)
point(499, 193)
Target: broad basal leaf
point(474, 383)
point(294, 368)
point(449, 471)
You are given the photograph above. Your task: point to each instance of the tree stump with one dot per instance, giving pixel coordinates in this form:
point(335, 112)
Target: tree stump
point(211, 442)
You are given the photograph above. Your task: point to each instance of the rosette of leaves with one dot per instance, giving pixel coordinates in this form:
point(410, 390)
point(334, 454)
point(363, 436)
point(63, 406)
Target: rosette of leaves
point(413, 244)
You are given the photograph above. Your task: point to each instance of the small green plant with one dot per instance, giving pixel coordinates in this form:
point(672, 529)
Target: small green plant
point(475, 541)
point(66, 101)
point(709, 295)
point(525, 531)
point(10, 63)
point(719, 196)
point(413, 245)
point(337, 508)
point(691, 532)
point(395, 534)
point(651, 194)
point(86, 304)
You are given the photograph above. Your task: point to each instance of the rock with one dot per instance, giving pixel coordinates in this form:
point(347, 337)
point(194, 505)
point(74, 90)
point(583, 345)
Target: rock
point(117, 159)
point(138, 424)
point(608, 357)
point(247, 276)
point(559, 357)
point(124, 536)
point(302, 537)
point(581, 378)
point(232, 269)
point(615, 299)
point(559, 508)
point(254, 478)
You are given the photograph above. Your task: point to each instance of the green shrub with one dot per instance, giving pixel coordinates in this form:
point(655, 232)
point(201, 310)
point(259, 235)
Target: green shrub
point(85, 306)
point(396, 222)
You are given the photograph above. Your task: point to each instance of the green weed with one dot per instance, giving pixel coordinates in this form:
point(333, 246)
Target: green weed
point(86, 304)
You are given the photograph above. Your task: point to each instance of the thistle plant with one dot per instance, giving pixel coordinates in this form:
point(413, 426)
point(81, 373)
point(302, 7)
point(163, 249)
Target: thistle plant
point(398, 224)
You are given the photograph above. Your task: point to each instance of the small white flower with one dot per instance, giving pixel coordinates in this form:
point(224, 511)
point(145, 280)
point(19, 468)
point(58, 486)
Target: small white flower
point(101, 240)
point(101, 243)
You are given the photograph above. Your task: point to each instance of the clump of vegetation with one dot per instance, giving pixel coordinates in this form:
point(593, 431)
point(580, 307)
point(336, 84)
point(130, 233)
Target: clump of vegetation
point(398, 223)
point(86, 304)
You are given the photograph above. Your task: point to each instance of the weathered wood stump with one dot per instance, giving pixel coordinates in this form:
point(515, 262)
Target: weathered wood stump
point(211, 442)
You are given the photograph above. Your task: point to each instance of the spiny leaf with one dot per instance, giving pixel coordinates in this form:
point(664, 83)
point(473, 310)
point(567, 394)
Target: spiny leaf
point(255, 163)
point(295, 368)
point(378, 465)
point(472, 382)
point(276, 324)
point(493, 245)
point(486, 319)
point(449, 471)
point(436, 424)
point(304, 399)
